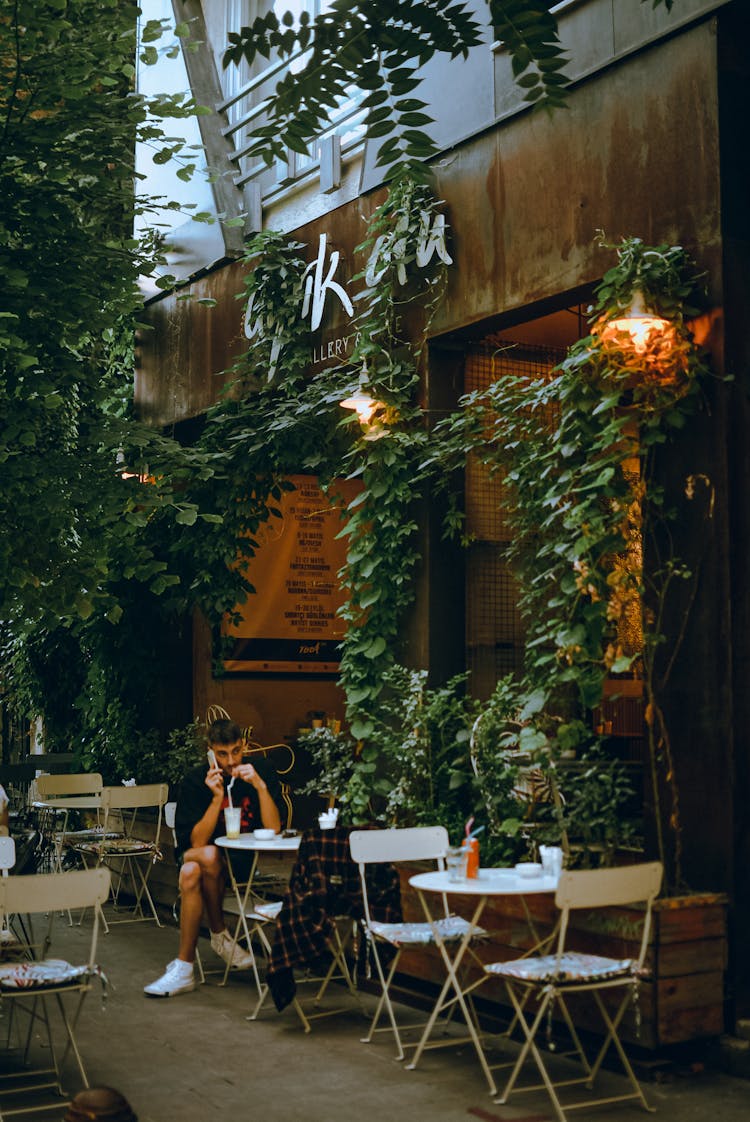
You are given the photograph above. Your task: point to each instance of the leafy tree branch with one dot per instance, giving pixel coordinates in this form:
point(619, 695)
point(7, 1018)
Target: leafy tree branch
point(379, 46)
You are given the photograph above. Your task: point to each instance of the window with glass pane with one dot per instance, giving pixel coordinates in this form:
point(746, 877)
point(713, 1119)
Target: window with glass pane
point(346, 120)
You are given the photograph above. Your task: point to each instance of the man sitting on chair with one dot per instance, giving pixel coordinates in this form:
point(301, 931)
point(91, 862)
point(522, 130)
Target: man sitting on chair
point(201, 799)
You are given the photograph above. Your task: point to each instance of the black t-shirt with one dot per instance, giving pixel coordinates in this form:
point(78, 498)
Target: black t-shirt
point(194, 799)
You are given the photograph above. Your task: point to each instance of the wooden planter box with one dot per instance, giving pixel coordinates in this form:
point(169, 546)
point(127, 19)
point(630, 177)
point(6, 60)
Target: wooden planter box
point(682, 1000)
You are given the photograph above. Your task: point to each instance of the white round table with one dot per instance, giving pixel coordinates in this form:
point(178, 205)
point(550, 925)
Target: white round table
point(488, 883)
point(248, 843)
point(245, 895)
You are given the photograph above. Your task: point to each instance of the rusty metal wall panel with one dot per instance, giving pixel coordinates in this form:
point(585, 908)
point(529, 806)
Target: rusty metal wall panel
point(636, 152)
point(188, 346)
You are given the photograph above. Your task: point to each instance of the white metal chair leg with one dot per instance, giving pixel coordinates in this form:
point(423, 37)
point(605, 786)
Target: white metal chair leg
point(529, 1048)
point(385, 1000)
point(338, 948)
point(452, 982)
point(72, 1044)
point(613, 1037)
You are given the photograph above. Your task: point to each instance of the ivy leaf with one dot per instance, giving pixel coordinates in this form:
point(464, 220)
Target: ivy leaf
point(534, 704)
point(361, 728)
point(376, 648)
point(345, 45)
point(369, 598)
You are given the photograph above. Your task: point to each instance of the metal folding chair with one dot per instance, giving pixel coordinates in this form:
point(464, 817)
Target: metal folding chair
point(59, 795)
point(254, 748)
point(129, 857)
point(11, 945)
point(419, 843)
point(250, 921)
point(16, 936)
point(252, 917)
point(34, 986)
point(7, 855)
point(316, 923)
point(551, 979)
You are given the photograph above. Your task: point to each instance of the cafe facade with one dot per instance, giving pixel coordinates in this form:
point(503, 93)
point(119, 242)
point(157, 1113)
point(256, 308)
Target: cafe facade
point(652, 145)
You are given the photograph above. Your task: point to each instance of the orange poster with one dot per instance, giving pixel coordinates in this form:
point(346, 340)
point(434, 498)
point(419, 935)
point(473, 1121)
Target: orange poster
point(290, 624)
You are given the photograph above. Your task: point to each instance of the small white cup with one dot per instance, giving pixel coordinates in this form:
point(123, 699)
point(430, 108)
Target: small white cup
point(528, 869)
point(263, 834)
point(232, 817)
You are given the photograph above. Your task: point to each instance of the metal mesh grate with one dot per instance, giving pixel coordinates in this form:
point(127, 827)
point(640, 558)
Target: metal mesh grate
point(494, 632)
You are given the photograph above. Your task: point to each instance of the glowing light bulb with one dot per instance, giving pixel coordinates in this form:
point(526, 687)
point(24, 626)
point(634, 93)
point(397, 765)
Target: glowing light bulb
point(638, 323)
point(362, 404)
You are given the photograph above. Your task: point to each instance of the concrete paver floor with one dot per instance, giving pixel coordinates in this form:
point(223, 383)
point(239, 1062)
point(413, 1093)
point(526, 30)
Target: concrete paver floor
point(196, 1058)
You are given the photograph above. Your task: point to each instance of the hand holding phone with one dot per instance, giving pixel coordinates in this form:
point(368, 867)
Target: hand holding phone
point(211, 757)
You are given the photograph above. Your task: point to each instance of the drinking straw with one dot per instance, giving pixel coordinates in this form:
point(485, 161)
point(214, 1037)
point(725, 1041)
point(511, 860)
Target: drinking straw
point(469, 824)
point(229, 790)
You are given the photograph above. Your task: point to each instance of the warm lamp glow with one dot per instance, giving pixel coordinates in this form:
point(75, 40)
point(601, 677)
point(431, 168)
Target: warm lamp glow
point(121, 469)
point(640, 324)
point(362, 404)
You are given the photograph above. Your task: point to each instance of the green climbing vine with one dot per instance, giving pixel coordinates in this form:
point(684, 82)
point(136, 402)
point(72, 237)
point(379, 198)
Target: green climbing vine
point(381, 522)
point(274, 425)
point(577, 451)
point(576, 448)
point(276, 420)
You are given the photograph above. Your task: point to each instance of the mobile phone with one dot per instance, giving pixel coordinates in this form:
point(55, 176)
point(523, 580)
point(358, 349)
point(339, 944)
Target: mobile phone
point(211, 757)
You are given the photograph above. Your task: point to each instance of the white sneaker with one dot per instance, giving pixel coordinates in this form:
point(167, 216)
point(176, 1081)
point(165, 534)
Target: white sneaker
point(179, 977)
point(237, 956)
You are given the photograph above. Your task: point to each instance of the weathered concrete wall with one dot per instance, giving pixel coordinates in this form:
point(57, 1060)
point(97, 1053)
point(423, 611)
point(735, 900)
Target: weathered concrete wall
point(187, 346)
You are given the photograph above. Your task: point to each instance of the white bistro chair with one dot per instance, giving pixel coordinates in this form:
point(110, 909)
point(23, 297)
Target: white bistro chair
point(16, 935)
point(251, 915)
point(7, 855)
point(129, 857)
point(418, 843)
point(34, 986)
point(10, 944)
point(552, 978)
point(79, 791)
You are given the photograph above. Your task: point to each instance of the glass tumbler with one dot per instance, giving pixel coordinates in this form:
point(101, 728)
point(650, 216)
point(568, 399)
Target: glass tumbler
point(455, 862)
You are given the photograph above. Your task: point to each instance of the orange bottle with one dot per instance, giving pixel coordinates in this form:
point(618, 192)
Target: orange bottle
point(472, 858)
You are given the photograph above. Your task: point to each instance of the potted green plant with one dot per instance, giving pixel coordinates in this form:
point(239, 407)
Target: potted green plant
point(331, 754)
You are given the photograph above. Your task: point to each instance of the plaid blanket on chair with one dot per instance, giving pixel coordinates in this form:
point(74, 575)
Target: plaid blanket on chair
point(324, 884)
